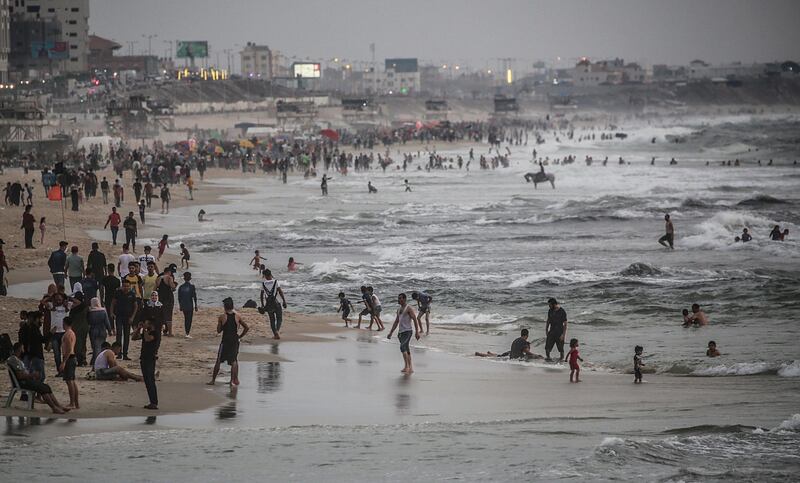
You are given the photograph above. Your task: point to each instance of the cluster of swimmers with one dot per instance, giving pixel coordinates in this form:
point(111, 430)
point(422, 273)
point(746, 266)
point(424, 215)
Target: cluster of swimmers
point(775, 235)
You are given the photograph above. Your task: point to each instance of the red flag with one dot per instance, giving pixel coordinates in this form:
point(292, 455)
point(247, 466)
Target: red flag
point(54, 194)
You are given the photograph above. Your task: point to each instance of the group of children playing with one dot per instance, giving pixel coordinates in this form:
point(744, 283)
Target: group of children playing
point(573, 356)
point(163, 244)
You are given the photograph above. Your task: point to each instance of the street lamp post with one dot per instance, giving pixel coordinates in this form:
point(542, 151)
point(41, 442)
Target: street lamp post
point(150, 42)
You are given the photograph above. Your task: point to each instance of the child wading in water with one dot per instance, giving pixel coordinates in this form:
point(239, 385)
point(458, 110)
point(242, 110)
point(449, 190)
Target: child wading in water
point(184, 256)
point(163, 245)
point(345, 306)
point(573, 356)
point(637, 364)
point(256, 261)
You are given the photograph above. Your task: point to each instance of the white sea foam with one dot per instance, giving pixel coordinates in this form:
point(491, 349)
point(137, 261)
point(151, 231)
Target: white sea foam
point(792, 424)
point(471, 318)
point(791, 369)
point(784, 369)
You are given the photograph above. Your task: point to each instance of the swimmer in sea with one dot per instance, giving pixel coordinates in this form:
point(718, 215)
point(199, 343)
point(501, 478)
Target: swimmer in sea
point(292, 265)
point(698, 316)
point(746, 236)
point(712, 349)
point(687, 320)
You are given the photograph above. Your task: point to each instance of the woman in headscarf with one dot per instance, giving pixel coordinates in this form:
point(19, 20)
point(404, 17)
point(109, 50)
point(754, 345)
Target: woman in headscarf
point(152, 310)
point(99, 327)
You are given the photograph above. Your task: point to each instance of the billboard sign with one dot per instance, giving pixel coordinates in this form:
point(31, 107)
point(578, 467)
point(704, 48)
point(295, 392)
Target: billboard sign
point(49, 50)
point(192, 49)
point(306, 70)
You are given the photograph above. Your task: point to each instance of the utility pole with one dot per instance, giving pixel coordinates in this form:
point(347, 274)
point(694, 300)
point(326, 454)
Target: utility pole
point(150, 42)
point(374, 70)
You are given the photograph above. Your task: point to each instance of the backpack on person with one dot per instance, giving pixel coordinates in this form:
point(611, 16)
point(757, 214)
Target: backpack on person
point(271, 304)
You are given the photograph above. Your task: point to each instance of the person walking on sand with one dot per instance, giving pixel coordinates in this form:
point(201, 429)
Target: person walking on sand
point(669, 236)
point(142, 207)
point(113, 220)
point(423, 308)
point(69, 363)
point(228, 324)
point(555, 329)
point(58, 264)
point(403, 320)
point(119, 194)
point(42, 229)
point(29, 226)
point(148, 333)
point(165, 198)
point(131, 231)
point(187, 302)
point(270, 289)
point(104, 189)
point(165, 286)
point(574, 356)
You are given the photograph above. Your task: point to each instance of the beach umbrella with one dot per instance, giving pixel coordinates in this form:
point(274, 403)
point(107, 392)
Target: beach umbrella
point(244, 143)
point(330, 134)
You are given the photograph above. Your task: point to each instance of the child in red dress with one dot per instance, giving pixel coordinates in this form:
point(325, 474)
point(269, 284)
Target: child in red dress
point(573, 357)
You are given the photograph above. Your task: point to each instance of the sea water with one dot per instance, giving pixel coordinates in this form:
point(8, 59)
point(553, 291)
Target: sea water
point(491, 250)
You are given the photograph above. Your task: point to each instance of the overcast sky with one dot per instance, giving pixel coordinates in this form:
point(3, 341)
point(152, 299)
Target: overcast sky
point(467, 31)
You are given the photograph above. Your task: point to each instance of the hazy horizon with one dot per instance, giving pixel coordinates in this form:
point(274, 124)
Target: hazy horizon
point(469, 32)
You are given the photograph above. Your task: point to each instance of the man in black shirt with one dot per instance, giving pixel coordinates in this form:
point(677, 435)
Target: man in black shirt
point(130, 231)
point(108, 287)
point(556, 329)
point(123, 309)
point(96, 262)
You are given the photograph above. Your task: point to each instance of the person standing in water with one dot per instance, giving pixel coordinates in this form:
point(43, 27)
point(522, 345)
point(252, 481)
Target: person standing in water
point(555, 329)
point(228, 324)
point(324, 184)
point(669, 236)
point(405, 316)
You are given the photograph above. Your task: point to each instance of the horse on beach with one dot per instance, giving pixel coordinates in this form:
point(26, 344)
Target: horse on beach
point(540, 177)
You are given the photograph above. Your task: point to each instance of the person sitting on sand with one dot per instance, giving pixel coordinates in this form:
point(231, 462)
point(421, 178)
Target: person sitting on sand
point(698, 316)
point(228, 324)
point(30, 381)
point(712, 349)
point(106, 367)
point(520, 349)
point(200, 216)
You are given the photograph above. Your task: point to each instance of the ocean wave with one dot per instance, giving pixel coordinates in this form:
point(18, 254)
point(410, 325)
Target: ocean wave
point(719, 230)
point(761, 200)
point(639, 269)
point(783, 369)
point(558, 277)
point(475, 319)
